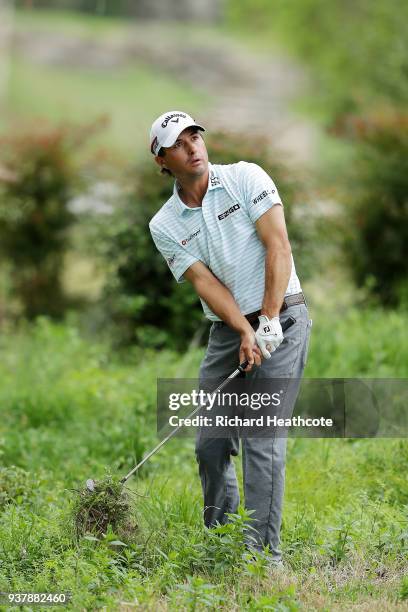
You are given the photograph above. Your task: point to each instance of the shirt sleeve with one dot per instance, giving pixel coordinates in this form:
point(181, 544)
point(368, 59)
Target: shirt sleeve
point(258, 190)
point(178, 259)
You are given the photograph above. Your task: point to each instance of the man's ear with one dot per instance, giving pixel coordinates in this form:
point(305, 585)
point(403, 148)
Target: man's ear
point(160, 161)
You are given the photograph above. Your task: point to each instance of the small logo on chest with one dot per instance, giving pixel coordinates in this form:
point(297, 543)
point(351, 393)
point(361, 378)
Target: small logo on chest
point(229, 211)
point(191, 236)
point(214, 180)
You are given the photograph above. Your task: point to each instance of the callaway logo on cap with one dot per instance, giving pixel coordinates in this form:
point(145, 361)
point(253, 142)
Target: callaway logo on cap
point(167, 128)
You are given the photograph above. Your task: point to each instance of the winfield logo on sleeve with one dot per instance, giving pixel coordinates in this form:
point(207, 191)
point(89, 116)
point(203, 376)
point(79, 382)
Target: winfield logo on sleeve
point(228, 212)
point(191, 236)
point(262, 195)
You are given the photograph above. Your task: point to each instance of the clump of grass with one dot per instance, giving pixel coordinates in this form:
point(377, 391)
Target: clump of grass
point(16, 486)
point(108, 504)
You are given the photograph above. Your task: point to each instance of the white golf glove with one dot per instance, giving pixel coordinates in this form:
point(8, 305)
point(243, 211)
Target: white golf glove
point(268, 335)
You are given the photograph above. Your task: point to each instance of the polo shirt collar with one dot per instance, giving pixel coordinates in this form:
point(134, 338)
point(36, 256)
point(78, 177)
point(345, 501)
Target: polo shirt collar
point(214, 182)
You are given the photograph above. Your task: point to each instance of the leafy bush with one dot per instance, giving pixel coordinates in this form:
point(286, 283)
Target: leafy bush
point(403, 590)
point(16, 486)
point(283, 600)
point(141, 297)
point(40, 175)
point(196, 593)
point(376, 235)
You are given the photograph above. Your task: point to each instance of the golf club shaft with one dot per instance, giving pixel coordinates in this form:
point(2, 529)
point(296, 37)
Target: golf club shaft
point(288, 323)
point(234, 374)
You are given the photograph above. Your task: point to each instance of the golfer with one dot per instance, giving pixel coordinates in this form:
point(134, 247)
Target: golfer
point(223, 230)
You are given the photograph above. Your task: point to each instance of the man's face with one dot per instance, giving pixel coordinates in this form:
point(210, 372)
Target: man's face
point(188, 157)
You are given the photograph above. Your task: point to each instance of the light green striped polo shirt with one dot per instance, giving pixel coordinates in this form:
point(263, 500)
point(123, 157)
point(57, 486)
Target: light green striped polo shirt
point(221, 233)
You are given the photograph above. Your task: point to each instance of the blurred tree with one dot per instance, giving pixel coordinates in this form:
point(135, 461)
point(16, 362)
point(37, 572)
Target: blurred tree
point(357, 50)
point(176, 10)
point(39, 176)
point(376, 225)
point(141, 296)
point(95, 7)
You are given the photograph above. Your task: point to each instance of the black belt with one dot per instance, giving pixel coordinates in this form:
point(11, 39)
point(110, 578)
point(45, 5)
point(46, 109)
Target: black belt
point(290, 300)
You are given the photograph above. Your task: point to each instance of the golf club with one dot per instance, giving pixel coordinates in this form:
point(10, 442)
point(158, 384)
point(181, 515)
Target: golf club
point(90, 483)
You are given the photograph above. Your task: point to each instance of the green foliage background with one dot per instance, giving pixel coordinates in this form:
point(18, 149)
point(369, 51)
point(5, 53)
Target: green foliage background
point(356, 51)
point(43, 164)
point(79, 407)
point(71, 406)
point(376, 224)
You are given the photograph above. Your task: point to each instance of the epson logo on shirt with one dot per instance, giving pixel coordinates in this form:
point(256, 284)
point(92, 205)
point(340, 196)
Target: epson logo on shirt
point(228, 212)
point(186, 240)
point(171, 260)
point(262, 195)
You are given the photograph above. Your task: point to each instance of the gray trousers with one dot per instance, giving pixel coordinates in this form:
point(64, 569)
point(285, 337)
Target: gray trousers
point(263, 459)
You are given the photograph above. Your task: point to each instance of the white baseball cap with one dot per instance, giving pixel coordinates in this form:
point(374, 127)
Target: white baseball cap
point(166, 129)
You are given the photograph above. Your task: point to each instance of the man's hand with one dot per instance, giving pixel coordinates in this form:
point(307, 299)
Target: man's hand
point(248, 350)
point(268, 335)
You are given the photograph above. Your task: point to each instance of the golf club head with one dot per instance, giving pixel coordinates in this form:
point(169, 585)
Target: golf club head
point(90, 485)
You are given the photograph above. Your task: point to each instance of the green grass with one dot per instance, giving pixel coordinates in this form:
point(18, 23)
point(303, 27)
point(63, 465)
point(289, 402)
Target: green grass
point(358, 342)
point(95, 27)
point(70, 407)
point(70, 23)
point(131, 97)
